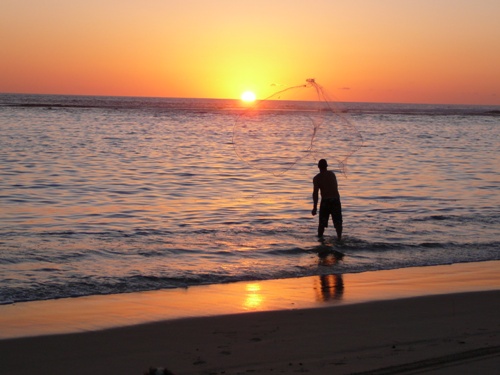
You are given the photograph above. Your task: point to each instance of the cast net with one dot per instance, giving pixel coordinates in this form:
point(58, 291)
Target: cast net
point(292, 124)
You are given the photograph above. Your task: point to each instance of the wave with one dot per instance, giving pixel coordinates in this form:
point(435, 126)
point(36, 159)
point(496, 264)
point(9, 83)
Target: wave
point(58, 275)
point(475, 218)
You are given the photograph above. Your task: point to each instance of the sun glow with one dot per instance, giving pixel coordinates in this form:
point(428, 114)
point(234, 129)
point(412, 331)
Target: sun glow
point(248, 96)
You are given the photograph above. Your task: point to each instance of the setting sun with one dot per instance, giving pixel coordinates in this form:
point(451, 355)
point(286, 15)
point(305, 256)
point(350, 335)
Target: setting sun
point(248, 96)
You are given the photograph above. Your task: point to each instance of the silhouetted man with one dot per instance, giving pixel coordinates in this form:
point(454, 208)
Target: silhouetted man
point(326, 182)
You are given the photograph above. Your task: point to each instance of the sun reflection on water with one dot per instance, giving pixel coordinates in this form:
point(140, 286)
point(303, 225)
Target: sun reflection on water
point(253, 298)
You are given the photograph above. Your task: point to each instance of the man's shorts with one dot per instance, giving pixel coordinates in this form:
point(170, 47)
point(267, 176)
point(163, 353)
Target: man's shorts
point(330, 206)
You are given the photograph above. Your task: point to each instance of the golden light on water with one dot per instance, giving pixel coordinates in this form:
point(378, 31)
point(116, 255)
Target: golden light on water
point(253, 299)
point(252, 288)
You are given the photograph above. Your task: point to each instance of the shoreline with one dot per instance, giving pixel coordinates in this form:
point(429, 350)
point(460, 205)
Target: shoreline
point(94, 313)
point(440, 320)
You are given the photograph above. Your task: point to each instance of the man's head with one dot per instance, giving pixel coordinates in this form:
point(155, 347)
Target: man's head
point(322, 164)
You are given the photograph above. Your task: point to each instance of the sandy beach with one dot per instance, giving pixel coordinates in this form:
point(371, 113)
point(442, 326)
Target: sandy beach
point(433, 320)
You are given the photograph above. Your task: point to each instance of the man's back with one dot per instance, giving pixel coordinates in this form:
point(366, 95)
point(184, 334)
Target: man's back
point(326, 181)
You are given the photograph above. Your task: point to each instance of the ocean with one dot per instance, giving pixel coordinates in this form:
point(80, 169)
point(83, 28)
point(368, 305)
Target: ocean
point(106, 195)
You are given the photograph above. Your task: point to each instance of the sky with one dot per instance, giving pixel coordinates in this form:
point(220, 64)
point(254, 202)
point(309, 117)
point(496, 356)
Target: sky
point(405, 51)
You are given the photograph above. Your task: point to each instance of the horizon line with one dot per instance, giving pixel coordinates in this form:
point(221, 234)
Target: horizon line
point(235, 99)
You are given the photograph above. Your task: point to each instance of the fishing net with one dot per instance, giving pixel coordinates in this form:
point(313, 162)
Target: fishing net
point(276, 133)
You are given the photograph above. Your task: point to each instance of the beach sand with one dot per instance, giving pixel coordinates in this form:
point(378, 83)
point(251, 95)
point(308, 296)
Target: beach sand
point(433, 320)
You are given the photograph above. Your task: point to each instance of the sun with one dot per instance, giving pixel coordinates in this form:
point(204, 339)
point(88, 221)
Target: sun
point(248, 96)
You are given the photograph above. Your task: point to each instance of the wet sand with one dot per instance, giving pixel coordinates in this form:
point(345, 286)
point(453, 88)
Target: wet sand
point(436, 320)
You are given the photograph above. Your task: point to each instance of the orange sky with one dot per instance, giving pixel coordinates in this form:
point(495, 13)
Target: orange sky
point(427, 51)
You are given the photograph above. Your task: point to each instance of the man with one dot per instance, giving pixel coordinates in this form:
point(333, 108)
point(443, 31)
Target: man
point(326, 182)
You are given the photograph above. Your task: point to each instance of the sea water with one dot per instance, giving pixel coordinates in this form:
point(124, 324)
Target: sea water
point(103, 195)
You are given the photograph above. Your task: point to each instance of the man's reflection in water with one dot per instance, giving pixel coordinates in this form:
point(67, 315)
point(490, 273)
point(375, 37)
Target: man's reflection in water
point(330, 287)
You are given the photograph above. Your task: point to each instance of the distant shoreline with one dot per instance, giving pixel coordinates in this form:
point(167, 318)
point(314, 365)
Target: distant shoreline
point(350, 107)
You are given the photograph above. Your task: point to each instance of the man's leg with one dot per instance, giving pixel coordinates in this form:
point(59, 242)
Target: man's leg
point(324, 215)
point(321, 230)
point(337, 219)
point(338, 228)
